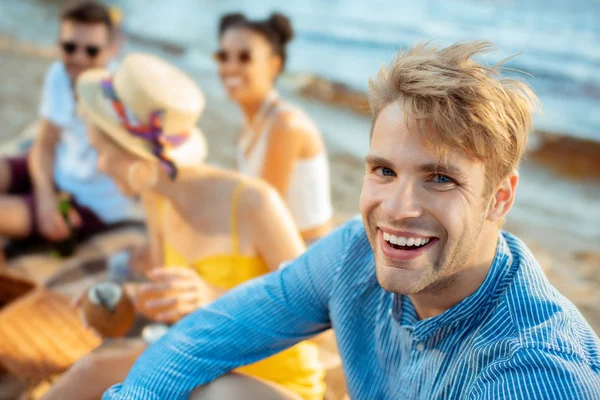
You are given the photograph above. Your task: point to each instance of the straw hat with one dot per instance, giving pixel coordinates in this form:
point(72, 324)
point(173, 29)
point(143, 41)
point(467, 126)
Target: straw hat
point(149, 107)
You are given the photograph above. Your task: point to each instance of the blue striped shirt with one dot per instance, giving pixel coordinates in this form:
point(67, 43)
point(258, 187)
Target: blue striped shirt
point(516, 337)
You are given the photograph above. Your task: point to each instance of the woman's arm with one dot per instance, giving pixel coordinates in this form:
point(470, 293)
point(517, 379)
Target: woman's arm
point(284, 148)
point(92, 375)
point(269, 225)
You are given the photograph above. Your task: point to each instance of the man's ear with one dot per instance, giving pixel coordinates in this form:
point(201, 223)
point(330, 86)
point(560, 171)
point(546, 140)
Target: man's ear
point(503, 197)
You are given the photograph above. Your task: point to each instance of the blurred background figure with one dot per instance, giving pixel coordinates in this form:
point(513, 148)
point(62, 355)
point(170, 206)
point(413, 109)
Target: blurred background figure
point(210, 229)
point(61, 165)
point(279, 142)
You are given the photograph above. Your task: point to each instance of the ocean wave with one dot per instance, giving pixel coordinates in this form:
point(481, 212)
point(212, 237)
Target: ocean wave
point(551, 64)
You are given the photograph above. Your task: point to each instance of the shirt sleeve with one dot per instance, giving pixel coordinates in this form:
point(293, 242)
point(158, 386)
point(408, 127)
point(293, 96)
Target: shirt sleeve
point(251, 322)
point(55, 103)
point(537, 374)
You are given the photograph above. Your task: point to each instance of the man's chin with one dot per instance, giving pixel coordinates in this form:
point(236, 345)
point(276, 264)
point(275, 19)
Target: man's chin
point(74, 72)
point(74, 75)
point(399, 280)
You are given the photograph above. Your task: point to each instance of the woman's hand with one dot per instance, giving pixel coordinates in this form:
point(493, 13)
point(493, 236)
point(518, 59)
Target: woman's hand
point(172, 294)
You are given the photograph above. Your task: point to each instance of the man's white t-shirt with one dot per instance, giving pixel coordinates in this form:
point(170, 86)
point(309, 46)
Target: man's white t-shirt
point(75, 169)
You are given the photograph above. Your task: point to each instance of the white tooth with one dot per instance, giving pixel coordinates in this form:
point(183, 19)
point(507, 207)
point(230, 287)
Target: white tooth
point(402, 241)
point(417, 241)
point(410, 241)
point(425, 241)
point(386, 236)
point(393, 239)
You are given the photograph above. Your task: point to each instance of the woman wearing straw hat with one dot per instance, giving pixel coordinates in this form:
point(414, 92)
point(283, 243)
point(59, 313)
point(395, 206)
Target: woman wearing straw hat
point(209, 229)
point(279, 142)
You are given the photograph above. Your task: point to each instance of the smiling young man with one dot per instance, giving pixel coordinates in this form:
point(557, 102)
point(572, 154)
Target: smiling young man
point(427, 296)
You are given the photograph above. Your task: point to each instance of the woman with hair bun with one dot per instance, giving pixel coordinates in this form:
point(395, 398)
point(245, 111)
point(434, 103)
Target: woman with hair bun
point(279, 143)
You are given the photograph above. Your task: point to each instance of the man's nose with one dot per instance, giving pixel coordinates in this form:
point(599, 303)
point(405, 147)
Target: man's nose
point(79, 56)
point(402, 201)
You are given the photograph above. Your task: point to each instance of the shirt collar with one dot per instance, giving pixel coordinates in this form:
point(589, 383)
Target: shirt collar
point(470, 309)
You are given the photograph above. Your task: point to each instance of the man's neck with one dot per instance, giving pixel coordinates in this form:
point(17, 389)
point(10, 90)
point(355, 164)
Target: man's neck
point(445, 295)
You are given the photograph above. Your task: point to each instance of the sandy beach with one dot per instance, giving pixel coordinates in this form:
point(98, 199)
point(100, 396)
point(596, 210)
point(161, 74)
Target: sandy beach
point(571, 263)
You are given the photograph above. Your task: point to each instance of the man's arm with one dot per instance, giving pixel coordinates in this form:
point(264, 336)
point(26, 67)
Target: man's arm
point(53, 115)
point(42, 155)
point(249, 323)
point(41, 167)
point(538, 374)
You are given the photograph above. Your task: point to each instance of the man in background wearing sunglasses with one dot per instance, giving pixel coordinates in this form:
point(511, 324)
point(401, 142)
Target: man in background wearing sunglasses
point(61, 159)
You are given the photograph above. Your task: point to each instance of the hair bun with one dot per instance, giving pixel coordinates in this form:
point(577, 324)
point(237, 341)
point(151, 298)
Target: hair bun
point(231, 19)
point(282, 25)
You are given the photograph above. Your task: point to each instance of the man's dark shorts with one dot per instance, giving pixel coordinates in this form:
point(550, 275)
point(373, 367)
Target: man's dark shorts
point(22, 186)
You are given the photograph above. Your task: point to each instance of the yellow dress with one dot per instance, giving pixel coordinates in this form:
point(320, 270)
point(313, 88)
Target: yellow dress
point(297, 368)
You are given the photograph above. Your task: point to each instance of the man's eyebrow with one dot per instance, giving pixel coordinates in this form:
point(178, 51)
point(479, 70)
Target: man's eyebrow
point(444, 169)
point(377, 160)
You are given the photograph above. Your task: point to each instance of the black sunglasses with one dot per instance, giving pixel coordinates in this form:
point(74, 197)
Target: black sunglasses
point(222, 56)
point(71, 47)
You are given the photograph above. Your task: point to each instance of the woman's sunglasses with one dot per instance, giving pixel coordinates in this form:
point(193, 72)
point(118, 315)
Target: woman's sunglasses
point(71, 47)
point(243, 57)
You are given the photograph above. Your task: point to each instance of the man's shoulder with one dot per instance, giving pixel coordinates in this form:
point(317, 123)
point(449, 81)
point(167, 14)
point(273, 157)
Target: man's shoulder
point(355, 265)
point(346, 244)
point(57, 102)
point(354, 227)
point(57, 73)
point(354, 237)
point(541, 316)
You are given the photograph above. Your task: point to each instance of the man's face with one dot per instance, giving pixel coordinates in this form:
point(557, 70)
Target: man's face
point(423, 218)
point(83, 46)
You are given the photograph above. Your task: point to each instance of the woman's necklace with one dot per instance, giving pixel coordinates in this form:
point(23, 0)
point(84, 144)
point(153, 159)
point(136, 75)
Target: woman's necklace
point(263, 110)
point(250, 133)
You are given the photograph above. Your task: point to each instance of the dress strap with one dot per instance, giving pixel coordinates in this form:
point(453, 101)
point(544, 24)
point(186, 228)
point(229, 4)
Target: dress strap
point(235, 238)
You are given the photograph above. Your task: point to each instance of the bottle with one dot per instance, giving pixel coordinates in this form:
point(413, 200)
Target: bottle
point(66, 247)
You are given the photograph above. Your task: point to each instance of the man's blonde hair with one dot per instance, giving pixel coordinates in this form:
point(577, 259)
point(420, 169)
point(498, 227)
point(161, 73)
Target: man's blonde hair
point(458, 103)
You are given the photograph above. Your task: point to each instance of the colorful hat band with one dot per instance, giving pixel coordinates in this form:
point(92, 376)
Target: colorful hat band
point(152, 133)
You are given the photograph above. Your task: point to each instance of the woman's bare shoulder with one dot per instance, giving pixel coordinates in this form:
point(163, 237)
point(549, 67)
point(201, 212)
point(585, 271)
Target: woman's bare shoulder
point(257, 196)
point(294, 125)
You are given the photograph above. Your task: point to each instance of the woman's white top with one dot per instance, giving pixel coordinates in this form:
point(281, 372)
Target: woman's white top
point(309, 193)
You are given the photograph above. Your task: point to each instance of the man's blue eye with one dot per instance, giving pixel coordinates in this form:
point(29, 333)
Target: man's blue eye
point(387, 172)
point(442, 179)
